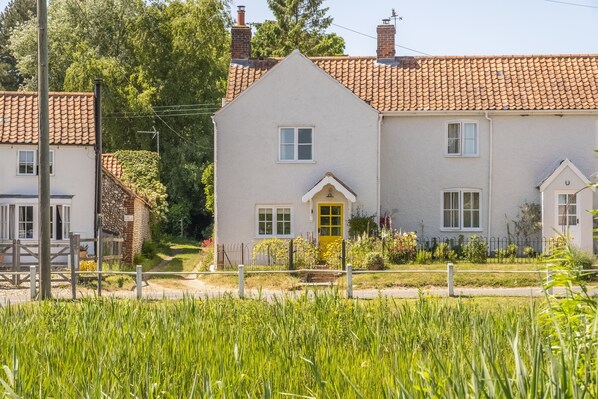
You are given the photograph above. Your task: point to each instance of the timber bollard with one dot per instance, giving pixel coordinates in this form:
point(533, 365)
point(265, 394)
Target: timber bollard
point(139, 280)
point(32, 282)
point(241, 281)
point(450, 272)
point(349, 281)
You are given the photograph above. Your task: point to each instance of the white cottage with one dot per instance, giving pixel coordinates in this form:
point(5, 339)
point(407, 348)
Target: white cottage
point(446, 146)
point(72, 166)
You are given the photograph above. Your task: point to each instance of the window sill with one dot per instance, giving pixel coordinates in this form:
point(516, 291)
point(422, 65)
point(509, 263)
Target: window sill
point(284, 162)
point(461, 156)
point(286, 237)
point(476, 230)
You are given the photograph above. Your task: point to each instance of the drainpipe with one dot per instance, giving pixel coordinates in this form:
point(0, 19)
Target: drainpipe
point(378, 171)
point(490, 150)
point(215, 219)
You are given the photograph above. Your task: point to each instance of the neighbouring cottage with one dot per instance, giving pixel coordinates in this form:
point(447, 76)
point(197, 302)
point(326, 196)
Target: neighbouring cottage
point(72, 166)
point(446, 146)
point(126, 213)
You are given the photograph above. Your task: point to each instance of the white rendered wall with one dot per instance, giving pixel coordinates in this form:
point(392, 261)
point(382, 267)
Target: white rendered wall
point(526, 149)
point(296, 93)
point(74, 174)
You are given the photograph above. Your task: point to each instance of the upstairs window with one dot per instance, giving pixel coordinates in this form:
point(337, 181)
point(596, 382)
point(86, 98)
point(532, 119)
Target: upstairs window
point(462, 139)
point(28, 163)
point(296, 144)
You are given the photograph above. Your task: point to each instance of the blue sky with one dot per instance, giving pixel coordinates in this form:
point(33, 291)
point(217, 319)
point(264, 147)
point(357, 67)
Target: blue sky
point(460, 27)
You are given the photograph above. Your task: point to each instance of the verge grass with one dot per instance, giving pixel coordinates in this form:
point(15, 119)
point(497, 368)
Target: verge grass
point(324, 346)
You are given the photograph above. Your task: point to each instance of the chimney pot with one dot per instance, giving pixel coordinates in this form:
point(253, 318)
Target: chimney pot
point(241, 15)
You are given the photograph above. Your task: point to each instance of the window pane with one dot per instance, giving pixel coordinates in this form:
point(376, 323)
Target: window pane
point(453, 138)
point(51, 162)
point(325, 231)
point(336, 221)
point(325, 220)
point(451, 209)
point(287, 135)
point(304, 136)
point(325, 210)
point(470, 139)
point(26, 222)
point(304, 152)
point(287, 152)
point(336, 231)
point(336, 210)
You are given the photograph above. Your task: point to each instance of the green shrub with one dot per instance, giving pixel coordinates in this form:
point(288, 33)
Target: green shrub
point(530, 252)
point(476, 250)
point(275, 250)
point(360, 223)
point(148, 249)
point(423, 257)
point(305, 253)
point(359, 248)
point(402, 248)
point(374, 261)
point(443, 253)
point(509, 253)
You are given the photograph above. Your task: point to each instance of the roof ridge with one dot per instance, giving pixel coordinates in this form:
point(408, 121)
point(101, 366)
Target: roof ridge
point(52, 93)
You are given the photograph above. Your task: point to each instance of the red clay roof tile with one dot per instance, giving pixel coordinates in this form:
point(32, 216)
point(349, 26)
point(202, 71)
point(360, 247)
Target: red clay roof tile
point(71, 118)
point(477, 83)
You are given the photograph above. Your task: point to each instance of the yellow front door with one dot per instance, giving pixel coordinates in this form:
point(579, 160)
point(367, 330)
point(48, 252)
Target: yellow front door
point(330, 224)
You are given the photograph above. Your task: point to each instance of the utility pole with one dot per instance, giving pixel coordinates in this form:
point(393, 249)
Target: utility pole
point(155, 135)
point(43, 152)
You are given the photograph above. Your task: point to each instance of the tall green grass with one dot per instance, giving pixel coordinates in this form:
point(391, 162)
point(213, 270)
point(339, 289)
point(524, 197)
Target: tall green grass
point(322, 347)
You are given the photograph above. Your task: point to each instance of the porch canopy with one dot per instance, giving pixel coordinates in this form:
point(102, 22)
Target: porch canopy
point(331, 179)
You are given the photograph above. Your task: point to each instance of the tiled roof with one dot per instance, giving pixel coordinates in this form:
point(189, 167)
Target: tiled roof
point(478, 83)
point(110, 163)
point(71, 118)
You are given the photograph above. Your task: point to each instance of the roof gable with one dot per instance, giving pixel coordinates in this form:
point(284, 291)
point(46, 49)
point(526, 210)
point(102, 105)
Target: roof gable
point(566, 164)
point(71, 118)
point(547, 82)
point(280, 66)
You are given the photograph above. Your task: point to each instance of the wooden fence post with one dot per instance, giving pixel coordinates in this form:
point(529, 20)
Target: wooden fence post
point(450, 272)
point(32, 281)
point(16, 261)
point(241, 281)
point(139, 280)
point(349, 281)
point(74, 249)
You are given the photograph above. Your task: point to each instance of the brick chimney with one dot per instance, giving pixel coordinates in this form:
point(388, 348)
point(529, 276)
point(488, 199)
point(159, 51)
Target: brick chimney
point(386, 40)
point(241, 37)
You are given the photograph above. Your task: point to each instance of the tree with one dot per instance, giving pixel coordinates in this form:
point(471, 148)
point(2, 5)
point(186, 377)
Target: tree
point(299, 24)
point(16, 12)
point(163, 64)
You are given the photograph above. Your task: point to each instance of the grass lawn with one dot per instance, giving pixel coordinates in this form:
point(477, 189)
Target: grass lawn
point(436, 277)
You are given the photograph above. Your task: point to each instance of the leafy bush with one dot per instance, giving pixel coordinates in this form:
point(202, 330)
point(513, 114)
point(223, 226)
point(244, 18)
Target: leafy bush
point(87, 266)
point(148, 249)
point(359, 248)
point(275, 250)
point(305, 252)
point(374, 261)
point(423, 257)
point(476, 250)
point(402, 248)
point(360, 223)
point(509, 253)
point(444, 253)
point(332, 254)
point(530, 252)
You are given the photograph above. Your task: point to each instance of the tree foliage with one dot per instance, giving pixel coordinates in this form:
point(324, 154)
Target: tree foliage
point(299, 24)
point(163, 64)
point(16, 12)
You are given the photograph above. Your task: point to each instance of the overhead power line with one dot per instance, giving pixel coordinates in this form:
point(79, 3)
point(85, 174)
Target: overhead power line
point(572, 4)
point(373, 37)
